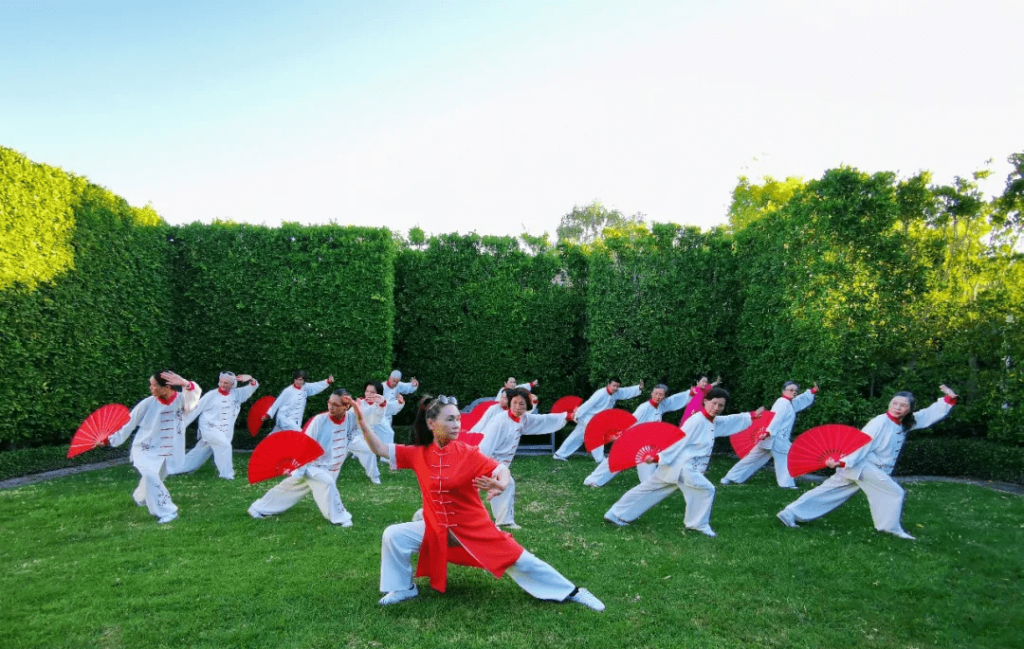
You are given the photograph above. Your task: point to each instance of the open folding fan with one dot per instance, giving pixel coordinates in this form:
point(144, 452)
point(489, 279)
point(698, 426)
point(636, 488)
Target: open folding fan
point(473, 439)
point(566, 404)
point(745, 440)
point(811, 449)
point(640, 442)
point(606, 426)
point(282, 453)
point(256, 413)
point(97, 427)
point(472, 417)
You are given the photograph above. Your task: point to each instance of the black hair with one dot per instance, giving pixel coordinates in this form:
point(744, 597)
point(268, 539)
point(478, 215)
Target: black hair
point(908, 421)
point(341, 392)
point(614, 379)
point(429, 407)
point(162, 382)
point(518, 392)
point(377, 385)
point(299, 374)
point(717, 393)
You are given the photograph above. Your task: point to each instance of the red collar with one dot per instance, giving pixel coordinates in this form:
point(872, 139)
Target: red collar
point(608, 391)
point(513, 417)
point(893, 419)
point(337, 421)
point(298, 388)
point(787, 398)
point(168, 401)
point(654, 404)
point(223, 391)
point(705, 413)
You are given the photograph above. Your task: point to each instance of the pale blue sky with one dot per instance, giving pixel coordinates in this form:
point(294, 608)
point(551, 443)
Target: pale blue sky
point(499, 117)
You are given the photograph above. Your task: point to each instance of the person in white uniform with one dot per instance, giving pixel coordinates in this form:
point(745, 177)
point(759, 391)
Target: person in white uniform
point(510, 384)
point(776, 445)
point(682, 465)
point(160, 443)
point(290, 405)
point(601, 400)
point(375, 408)
point(217, 412)
point(870, 467)
point(501, 440)
point(648, 411)
point(332, 430)
point(497, 411)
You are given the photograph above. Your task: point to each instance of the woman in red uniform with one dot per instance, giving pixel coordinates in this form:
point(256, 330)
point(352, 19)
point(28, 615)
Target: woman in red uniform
point(456, 527)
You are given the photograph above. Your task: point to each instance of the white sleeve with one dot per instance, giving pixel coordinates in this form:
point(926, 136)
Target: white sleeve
point(627, 393)
point(932, 414)
point(190, 397)
point(272, 412)
point(316, 388)
point(405, 388)
point(677, 401)
point(871, 428)
point(802, 401)
point(732, 424)
point(543, 424)
point(203, 403)
point(242, 394)
point(394, 407)
point(138, 412)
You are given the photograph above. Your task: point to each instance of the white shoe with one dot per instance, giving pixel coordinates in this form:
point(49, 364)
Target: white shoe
point(511, 526)
point(615, 520)
point(560, 459)
point(396, 596)
point(418, 515)
point(585, 597)
point(903, 535)
point(345, 524)
point(375, 480)
point(706, 530)
point(170, 517)
point(726, 481)
point(791, 487)
point(254, 513)
point(787, 518)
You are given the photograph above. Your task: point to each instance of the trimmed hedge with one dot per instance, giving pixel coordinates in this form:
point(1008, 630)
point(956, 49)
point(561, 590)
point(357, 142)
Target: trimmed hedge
point(269, 301)
point(471, 310)
point(958, 457)
point(93, 332)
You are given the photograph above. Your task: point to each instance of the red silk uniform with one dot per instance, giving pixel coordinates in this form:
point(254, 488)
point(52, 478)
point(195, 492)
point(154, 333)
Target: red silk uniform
point(452, 503)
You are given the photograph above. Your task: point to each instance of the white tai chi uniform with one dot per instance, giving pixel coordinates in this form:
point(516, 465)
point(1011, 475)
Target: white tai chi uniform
point(290, 405)
point(644, 413)
point(501, 439)
point(775, 447)
point(682, 466)
point(869, 468)
point(319, 476)
point(490, 414)
point(159, 446)
point(217, 412)
point(357, 446)
point(598, 402)
point(384, 430)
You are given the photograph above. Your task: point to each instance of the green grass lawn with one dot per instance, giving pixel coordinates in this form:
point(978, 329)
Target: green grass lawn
point(83, 566)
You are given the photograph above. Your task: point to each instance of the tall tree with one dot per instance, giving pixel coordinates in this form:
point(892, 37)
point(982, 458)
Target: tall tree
point(584, 225)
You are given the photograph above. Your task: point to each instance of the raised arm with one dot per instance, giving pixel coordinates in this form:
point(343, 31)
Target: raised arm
point(377, 446)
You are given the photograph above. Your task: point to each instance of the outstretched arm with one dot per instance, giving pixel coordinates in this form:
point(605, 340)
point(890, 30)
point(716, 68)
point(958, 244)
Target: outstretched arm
point(494, 484)
point(377, 446)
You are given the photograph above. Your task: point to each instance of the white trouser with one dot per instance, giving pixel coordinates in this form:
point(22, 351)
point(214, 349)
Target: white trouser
point(152, 493)
point(201, 452)
point(602, 475)
point(292, 489)
point(574, 441)
point(385, 433)
point(402, 540)
point(697, 490)
point(757, 458)
point(361, 451)
point(503, 506)
point(885, 498)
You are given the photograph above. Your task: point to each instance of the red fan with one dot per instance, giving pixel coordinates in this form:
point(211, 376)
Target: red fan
point(97, 427)
point(606, 426)
point(641, 441)
point(473, 417)
point(814, 446)
point(257, 411)
point(282, 453)
point(745, 440)
point(566, 404)
point(473, 439)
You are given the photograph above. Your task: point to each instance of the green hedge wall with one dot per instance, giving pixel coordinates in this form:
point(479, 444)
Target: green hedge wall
point(662, 306)
point(268, 301)
point(86, 334)
point(472, 311)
